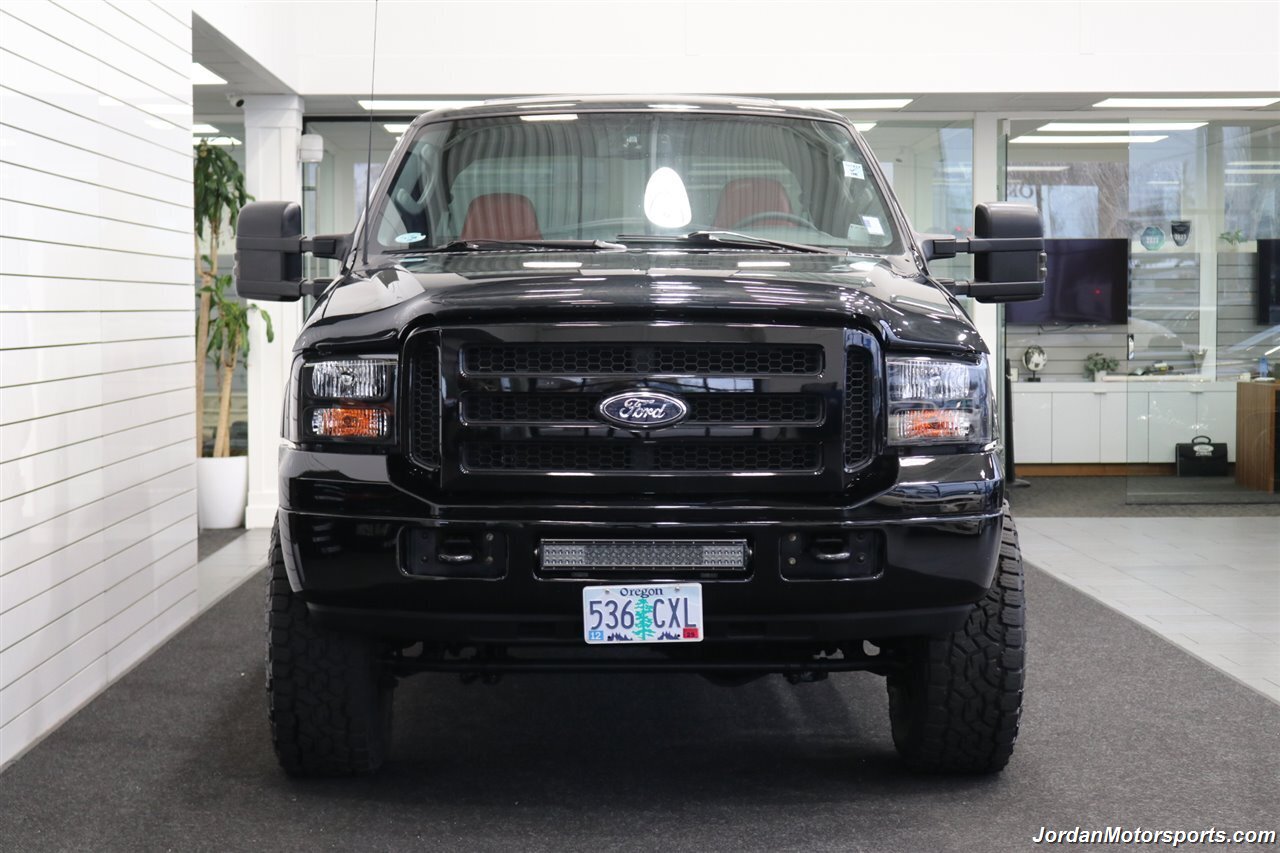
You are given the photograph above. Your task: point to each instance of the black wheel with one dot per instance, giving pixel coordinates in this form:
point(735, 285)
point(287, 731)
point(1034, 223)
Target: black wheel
point(329, 701)
point(955, 703)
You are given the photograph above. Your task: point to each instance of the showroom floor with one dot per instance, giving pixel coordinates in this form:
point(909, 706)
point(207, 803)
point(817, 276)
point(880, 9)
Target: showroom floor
point(1209, 585)
point(1120, 728)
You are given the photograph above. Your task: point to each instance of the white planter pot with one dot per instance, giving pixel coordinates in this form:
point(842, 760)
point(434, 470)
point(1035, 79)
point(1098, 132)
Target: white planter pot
point(1100, 376)
point(222, 486)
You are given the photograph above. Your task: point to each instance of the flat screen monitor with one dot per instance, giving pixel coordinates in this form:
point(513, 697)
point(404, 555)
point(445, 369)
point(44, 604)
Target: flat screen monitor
point(1268, 282)
point(1087, 282)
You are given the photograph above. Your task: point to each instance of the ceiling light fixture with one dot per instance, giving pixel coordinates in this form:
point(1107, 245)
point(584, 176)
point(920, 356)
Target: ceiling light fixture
point(413, 106)
point(1120, 126)
point(1272, 171)
point(215, 140)
point(1254, 163)
point(1085, 140)
point(201, 76)
point(397, 129)
point(863, 126)
point(552, 117)
point(204, 128)
point(848, 103)
point(1185, 103)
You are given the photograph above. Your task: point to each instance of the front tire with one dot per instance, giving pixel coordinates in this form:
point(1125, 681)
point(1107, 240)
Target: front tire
point(955, 703)
point(328, 698)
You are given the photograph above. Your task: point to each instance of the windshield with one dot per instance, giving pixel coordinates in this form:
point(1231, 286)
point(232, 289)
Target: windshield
point(604, 176)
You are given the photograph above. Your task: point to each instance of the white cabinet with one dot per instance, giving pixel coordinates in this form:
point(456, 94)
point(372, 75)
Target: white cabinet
point(1077, 420)
point(1033, 427)
point(1131, 421)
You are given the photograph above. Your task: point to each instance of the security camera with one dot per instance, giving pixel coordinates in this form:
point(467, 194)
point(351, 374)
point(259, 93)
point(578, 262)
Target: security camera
point(236, 101)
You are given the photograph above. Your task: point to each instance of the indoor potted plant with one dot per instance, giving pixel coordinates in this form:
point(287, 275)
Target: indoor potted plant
point(223, 478)
point(1097, 366)
point(219, 194)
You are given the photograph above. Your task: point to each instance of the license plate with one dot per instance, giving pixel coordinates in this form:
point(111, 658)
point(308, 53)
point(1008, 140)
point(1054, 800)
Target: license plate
point(642, 613)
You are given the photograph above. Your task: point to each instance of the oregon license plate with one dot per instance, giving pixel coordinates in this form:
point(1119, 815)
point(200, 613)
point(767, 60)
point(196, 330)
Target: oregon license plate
point(642, 613)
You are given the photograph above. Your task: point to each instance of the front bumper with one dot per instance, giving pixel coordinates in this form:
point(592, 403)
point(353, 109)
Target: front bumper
point(347, 533)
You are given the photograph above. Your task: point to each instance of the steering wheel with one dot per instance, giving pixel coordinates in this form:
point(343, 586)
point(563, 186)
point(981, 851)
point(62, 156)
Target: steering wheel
point(773, 214)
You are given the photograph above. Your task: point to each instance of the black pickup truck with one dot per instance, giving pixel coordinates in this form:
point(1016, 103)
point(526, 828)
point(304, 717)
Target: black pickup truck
point(613, 385)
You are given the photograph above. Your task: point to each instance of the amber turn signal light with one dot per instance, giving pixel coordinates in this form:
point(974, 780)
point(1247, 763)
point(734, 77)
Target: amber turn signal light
point(349, 422)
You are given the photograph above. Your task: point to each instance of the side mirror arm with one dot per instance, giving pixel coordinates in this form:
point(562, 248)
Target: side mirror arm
point(948, 247)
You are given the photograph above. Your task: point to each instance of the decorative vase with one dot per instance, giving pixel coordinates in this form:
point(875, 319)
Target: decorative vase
point(222, 486)
point(1099, 376)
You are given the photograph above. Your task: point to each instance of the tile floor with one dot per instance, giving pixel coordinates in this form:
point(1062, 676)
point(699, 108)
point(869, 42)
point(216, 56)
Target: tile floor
point(1208, 585)
point(227, 567)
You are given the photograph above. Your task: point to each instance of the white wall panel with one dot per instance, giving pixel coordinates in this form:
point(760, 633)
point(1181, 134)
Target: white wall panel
point(97, 475)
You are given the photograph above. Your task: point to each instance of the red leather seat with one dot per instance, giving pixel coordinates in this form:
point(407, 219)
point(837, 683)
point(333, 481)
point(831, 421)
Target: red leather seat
point(742, 198)
point(501, 216)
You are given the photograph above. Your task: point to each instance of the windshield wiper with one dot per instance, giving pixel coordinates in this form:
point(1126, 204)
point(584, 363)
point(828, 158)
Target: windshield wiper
point(517, 245)
point(728, 240)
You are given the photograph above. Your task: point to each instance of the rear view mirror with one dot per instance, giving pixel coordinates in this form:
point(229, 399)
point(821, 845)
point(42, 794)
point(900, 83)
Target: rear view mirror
point(269, 249)
point(1009, 243)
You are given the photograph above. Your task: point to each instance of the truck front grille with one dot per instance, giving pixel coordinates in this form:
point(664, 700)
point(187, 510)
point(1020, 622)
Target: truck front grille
point(579, 409)
point(511, 407)
point(641, 360)
point(639, 458)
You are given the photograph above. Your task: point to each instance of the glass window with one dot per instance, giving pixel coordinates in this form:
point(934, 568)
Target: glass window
point(596, 176)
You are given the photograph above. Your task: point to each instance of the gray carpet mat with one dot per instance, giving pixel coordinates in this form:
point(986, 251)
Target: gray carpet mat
point(1121, 728)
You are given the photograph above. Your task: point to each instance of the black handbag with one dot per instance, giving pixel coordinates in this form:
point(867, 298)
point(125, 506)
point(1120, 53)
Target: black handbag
point(1201, 457)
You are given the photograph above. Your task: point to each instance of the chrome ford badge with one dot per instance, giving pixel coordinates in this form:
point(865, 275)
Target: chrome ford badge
point(643, 409)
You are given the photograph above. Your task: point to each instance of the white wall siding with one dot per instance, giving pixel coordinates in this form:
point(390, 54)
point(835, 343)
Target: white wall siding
point(97, 470)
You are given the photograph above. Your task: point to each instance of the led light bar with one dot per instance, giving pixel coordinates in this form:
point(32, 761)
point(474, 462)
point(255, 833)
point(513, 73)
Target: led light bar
point(621, 554)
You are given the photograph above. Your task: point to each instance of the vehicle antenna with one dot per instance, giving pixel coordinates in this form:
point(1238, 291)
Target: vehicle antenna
point(368, 160)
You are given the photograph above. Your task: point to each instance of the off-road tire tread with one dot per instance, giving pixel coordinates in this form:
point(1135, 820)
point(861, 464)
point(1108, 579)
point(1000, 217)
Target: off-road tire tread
point(329, 705)
point(956, 706)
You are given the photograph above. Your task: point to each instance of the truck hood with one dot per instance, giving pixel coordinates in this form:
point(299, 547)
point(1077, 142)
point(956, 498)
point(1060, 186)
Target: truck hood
point(377, 304)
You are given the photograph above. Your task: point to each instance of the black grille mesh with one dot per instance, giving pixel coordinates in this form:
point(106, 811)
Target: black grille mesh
point(859, 411)
point(643, 359)
point(552, 408)
point(425, 402)
point(634, 457)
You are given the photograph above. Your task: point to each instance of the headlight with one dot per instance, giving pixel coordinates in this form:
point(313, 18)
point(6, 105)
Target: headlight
point(938, 401)
point(349, 399)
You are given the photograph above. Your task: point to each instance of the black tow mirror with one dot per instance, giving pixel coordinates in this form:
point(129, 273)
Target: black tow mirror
point(1009, 243)
point(269, 249)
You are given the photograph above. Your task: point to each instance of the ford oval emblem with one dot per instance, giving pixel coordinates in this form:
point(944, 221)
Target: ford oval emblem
point(643, 409)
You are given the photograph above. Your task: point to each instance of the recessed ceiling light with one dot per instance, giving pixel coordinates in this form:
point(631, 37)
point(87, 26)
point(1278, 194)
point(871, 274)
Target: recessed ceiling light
point(1121, 126)
point(848, 103)
point(863, 126)
point(413, 106)
point(1238, 184)
point(203, 128)
point(201, 76)
point(396, 128)
point(1165, 183)
point(552, 117)
point(1037, 168)
point(1254, 163)
point(1272, 171)
point(1184, 103)
point(1086, 140)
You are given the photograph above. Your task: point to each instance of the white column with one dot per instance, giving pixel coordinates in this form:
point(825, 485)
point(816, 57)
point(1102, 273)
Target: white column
point(272, 127)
